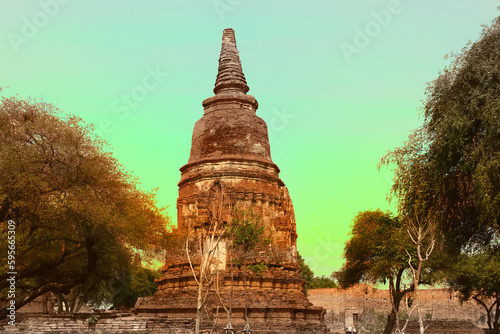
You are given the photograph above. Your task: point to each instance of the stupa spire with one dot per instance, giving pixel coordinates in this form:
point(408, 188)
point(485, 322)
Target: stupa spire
point(230, 77)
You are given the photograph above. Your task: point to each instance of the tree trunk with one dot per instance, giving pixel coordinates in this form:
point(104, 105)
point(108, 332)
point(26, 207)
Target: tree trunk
point(73, 304)
point(395, 296)
point(417, 300)
point(4, 209)
point(59, 303)
point(245, 289)
point(231, 290)
point(79, 306)
point(420, 321)
point(497, 316)
point(417, 233)
point(58, 288)
point(391, 319)
point(198, 307)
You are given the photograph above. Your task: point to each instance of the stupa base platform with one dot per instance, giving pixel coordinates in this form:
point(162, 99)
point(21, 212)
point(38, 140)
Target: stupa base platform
point(268, 310)
point(261, 320)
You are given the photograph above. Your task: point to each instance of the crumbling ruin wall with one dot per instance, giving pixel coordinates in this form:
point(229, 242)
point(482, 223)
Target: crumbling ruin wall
point(346, 307)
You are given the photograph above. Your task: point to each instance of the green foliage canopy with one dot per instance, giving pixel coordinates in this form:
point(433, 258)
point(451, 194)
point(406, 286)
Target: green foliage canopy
point(448, 170)
point(477, 277)
point(305, 272)
point(79, 215)
point(246, 231)
point(313, 282)
point(375, 253)
point(321, 282)
point(140, 282)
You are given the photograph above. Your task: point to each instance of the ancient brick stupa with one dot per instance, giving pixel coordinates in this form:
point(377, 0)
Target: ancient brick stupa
point(230, 168)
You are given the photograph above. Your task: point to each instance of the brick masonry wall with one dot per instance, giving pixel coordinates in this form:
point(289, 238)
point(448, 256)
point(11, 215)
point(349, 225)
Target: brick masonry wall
point(106, 323)
point(439, 304)
point(113, 323)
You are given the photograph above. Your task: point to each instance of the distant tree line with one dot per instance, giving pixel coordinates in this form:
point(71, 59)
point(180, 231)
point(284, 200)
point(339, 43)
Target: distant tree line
point(311, 281)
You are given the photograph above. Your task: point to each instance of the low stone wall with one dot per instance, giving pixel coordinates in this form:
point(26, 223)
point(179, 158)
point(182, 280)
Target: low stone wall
point(438, 303)
point(363, 303)
point(115, 323)
point(106, 323)
point(445, 327)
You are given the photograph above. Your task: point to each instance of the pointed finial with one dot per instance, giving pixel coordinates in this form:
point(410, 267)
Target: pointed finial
point(230, 77)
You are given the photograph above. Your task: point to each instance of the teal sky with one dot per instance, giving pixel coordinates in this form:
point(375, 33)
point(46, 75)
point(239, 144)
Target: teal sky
point(339, 83)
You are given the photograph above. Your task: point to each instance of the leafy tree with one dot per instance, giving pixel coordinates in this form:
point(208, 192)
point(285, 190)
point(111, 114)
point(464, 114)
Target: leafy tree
point(205, 250)
point(421, 234)
point(305, 272)
point(447, 171)
point(377, 253)
point(140, 283)
point(143, 284)
point(477, 277)
point(321, 282)
point(313, 282)
point(246, 234)
point(212, 239)
point(77, 213)
point(119, 292)
point(206, 245)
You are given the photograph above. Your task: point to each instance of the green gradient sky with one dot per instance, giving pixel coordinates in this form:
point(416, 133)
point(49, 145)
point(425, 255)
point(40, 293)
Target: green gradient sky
point(342, 115)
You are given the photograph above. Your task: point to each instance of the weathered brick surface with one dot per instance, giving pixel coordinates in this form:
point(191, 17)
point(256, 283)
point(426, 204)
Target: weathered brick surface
point(230, 167)
point(118, 324)
point(106, 323)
